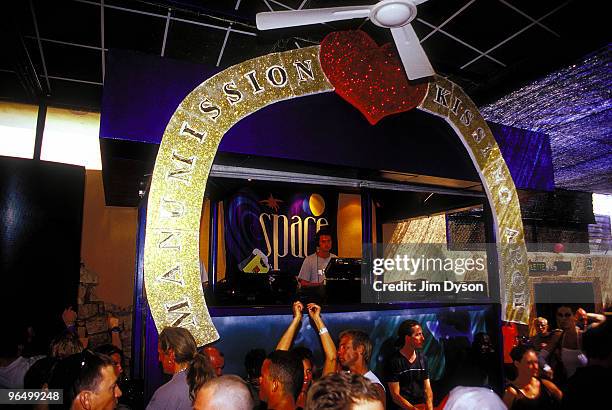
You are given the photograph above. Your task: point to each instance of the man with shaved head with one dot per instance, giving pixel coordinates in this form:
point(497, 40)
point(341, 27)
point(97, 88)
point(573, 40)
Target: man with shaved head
point(224, 393)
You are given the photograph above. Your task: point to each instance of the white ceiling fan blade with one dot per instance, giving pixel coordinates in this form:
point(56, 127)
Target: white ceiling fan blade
point(411, 53)
point(292, 18)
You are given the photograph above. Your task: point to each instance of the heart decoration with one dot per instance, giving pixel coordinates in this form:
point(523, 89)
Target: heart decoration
point(369, 77)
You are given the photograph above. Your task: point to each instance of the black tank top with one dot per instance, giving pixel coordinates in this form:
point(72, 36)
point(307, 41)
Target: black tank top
point(544, 401)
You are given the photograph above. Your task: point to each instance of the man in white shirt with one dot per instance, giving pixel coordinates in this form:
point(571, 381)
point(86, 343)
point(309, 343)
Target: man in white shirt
point(354, 353)
point(312, 272)
point(13, 367)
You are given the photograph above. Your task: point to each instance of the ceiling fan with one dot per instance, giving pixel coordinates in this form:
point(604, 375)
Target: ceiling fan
point(393, 14)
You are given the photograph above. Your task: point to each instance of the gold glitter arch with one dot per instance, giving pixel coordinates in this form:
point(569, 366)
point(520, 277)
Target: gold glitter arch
point(447, 100)
point(191, 140)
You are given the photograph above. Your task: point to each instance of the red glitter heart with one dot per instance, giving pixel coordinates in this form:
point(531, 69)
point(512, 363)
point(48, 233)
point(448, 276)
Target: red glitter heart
point(369, 77)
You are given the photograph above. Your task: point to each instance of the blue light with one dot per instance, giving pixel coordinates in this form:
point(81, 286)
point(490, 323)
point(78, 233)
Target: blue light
point(572, 106)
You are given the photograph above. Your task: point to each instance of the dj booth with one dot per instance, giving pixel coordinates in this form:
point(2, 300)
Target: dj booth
point(343, 281)
point(342, 286)
point(252, 311)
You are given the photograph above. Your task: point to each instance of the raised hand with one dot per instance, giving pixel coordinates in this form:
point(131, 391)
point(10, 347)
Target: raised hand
point(69, 316)
point(314, 310)
point(329, 366)
point(112, 321)
point(285, 342)
point(298, 309)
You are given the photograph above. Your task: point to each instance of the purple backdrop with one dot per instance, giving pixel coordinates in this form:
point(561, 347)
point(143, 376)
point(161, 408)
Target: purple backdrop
point(141, 93)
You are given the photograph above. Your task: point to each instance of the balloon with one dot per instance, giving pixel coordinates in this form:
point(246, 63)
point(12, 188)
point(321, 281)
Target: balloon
point(559, 248)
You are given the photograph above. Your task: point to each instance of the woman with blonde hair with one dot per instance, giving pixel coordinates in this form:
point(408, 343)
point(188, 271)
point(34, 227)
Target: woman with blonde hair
point(179, 356)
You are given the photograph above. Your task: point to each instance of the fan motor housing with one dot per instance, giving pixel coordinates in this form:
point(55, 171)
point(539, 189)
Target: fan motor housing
point(393, 13)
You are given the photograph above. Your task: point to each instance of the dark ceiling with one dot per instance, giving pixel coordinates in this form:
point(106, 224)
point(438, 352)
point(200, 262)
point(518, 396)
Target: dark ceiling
point(56, 51)
point(57, 48)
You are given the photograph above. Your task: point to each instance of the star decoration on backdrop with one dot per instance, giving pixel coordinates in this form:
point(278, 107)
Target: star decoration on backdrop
point(271, 202)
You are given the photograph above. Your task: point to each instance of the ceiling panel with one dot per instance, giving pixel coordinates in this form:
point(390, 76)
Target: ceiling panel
point(74, 94)
point(485, 24)
point(437, 12)
point(11, 88)
point(194, 43)
point(6, 62)
point(516, 50)
point(151, 7)
point(132, 31)
point(68, 20)
point(443, 49)
point(84, 64)
point(483, 67)
point(534, 9)
point(34, 55)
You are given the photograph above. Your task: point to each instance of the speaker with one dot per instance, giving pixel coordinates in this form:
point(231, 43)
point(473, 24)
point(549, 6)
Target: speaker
point(41, 213)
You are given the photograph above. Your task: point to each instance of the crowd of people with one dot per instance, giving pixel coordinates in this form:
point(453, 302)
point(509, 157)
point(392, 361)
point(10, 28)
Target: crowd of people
point(563, 368)
point(559, 369)
point(88, 378)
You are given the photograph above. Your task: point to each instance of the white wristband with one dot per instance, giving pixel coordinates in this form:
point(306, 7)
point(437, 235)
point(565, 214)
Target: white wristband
point(323, 331)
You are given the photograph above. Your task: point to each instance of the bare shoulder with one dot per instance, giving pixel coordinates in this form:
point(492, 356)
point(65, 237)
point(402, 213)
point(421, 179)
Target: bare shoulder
point(510, 394)
point(511, 391)
point(551, 387)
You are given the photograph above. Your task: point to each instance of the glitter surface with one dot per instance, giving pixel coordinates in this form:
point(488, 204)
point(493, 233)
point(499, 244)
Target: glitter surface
point(369, 77)
point(573, 106)
point(448, 101)
point(184, 160)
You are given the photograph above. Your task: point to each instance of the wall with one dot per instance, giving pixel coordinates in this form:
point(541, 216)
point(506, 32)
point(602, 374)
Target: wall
point(108, 244)
point(417, 230)
point(204, 228)
point(204, 234)
point(349, 226)
point(594, 268)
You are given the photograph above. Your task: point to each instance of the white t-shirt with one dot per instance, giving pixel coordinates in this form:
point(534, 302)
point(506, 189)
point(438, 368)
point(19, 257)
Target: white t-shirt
point(373, 378)
point(11, 376)
point(313, 268)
